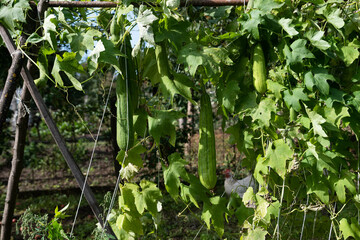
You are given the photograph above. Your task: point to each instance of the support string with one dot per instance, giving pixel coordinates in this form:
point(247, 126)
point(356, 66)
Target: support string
point(92, 156)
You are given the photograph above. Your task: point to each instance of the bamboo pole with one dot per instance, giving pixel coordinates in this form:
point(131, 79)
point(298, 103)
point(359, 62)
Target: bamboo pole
point(10, 86)
point(16, 165)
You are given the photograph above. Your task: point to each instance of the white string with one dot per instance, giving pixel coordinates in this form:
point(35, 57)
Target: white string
point(331, 225)
point(304, 219)
point(92, 156)
point(314, 224)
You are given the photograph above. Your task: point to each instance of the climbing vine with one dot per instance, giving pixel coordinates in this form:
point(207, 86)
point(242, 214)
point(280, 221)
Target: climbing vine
point(299, 135)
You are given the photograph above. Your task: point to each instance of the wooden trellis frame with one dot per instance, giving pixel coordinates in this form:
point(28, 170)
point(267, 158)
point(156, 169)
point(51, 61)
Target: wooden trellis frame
point(35, 94)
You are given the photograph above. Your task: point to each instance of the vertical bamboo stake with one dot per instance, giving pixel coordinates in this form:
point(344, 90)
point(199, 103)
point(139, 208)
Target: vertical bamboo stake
point(10, 86)
point(16, 165)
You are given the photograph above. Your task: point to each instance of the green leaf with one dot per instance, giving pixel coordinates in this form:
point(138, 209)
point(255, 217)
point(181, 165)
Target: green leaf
point(316, 120)
point(148, 198)
point(285, 23)
point(129, 223)
point(144, 21)
point(50, 30)
point(70, 66)
point(150, 68)
point(9, 15)
point(251, 25)
point(172, 4)
point(213, 212)
point(175, 32)
point(221, 12)
point(133, 156)
point(335, 96)
point(297, 53)
point(184, 85)
point(317, 185)
point(276, 156)
point(140, 121)
point(335, 114)
point(83, 41)
point(317, 157)
point(332, 15)
point(293, 99)
point(267, 5)
point(312, 150)
point(106, 52)
point(318, 77)
point(348, 54)
point(263, 112)
point(346, 179)
point(249, 197)
point(194, 192)
point(173, 173)
point(257, 233)
point(350, 230)
point(229, 94)
point(34, 38)
point(261, 169)
point(355, 100)
point(246, 102)
point(316, 41)
point(127, 198)
point(193, 55)
point(275, 88)
point(168, 87)
point(162, 123)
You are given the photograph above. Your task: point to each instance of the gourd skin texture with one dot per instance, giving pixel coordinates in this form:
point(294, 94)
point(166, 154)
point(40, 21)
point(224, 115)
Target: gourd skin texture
point(259, 69)
point(207, 152)
point(126, 101)
point(115, 31)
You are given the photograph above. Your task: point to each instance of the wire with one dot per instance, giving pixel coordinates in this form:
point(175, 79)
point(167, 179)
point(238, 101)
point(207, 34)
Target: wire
point(92, 156)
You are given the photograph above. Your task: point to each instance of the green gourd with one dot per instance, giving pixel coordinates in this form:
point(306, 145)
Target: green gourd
point(207, 151)
point(259, 69)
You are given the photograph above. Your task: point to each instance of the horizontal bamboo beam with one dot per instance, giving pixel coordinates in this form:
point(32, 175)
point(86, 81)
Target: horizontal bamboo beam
point(103, 4)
